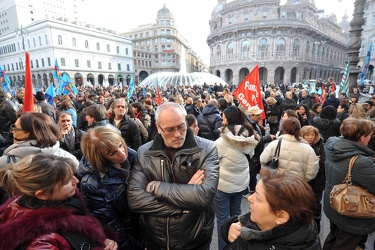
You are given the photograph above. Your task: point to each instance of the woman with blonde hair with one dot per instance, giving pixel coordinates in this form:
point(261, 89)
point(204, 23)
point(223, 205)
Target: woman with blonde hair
point(356, 111)
point(46, 212)
point(105, 169)
point(312, 136)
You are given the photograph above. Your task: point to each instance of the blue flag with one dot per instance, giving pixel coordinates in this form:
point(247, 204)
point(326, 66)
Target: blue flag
point(131, 88)
point(6, 84)
point(366, 65)
point(50, 94)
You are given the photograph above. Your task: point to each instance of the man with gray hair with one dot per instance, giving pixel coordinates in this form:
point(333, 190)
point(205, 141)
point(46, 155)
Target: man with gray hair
point(173, 184)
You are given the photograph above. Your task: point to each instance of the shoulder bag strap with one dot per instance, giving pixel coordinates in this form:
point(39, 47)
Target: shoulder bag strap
point(348, 177)
point(277, 151)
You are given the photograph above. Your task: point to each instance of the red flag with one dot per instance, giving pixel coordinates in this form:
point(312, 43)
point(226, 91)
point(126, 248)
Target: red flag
point(28, 101)
point(323, 93)
point(248, 92)
point(159, 96)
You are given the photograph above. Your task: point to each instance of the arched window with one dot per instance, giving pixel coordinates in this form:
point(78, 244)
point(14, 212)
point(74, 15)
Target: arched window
point(108, 48)
point(230, 51)
point(218, 52)
point(86, 44)
point(59, 40)
point(97, 46)
point(74, 43)
point(245, 47)
point(280, 48)
point(296, 48)
point(263, 48)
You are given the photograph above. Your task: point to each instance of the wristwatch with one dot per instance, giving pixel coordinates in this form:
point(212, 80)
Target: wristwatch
point(152, 187)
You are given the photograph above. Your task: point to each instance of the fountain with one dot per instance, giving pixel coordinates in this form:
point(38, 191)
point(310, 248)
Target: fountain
point(181, 78)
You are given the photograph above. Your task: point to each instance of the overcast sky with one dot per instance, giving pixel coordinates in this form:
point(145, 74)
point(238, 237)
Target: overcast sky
point(191, 17)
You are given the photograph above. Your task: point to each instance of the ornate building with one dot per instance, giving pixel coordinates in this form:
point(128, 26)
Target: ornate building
point(290, 43)
point(158, 47)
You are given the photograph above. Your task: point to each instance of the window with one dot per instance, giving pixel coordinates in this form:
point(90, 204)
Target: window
point(34, 42)
point(119, 66)
point(162, 31)
point(46, 38)
point(127, 67)
point(246, 16)
point(280, 48)
point(31, 62)
point(168, 22)
point(49, 62)
point(89, 64)
point(230, 51)
point(262, 48)
point(59, 40)
point(108, 48)
point(147, 34)
point(97, 46)
point(117, 49)
point(109, 65)
point(218, 52)
point(28, 43)
point(245, 47)
point(99, 65)
point(76, 63)
point(230, 20)
point(141, 35)
point(126, 51)
point(43, 65)
point(265, 14)
point(12, 66)
point(283, 14)
point(296, 48)
point(63, 62)
point(37, 63)
point(16, 66)
point(136, 36)
point(86, 44)
point(155, 32)
point(40, 41)
point(162, 22)
point(74, 43)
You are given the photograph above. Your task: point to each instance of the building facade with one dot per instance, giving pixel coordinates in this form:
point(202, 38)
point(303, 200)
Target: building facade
point(159, 47)
point(290, 43)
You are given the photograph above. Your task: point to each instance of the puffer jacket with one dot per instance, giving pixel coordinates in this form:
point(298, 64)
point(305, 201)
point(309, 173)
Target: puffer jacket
point(25, 148)
point(39, 228)
point(209, 122)
point(296, 157)
point(234, 167)
point(327, 127)
point(179, 215)
point(106, 198)
point(129, 131)
point(339, 151)
point(280, 237)
point(7, 114)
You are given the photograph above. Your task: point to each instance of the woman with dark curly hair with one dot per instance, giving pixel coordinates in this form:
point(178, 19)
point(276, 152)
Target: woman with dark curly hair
point(327, 123)
point(303, 114)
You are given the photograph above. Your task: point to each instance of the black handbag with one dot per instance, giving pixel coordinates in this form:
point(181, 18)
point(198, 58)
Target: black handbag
point(275, 159)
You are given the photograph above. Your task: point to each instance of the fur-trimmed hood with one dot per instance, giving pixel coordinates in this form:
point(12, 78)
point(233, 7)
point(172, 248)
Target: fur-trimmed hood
point(241, 141)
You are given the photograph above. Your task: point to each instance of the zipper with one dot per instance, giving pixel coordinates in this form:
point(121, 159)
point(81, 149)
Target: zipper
point(162, 169)
point(168, 240)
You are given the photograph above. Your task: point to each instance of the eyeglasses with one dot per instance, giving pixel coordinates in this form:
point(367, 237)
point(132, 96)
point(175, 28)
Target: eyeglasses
point(14, 128)
point(168, 131)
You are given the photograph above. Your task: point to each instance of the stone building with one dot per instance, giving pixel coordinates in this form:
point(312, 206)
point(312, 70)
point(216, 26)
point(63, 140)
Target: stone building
point(291, 43)
point(158, 47)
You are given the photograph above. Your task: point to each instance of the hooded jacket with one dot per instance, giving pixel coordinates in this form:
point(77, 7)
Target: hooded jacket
point(178, 215)
point(209, 121)
point(7, 112)
point(327, 127)
point(280, 237)
point(339, 151)
point(234, 166)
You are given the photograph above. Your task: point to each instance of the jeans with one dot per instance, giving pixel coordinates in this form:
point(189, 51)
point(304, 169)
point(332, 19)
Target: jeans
point(226, 206)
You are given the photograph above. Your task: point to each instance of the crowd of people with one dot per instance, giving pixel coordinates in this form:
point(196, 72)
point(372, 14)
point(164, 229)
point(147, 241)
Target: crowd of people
point(112, 170)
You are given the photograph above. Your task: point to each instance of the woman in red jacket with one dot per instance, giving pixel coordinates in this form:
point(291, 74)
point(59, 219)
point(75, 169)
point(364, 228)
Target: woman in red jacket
point(47, 212)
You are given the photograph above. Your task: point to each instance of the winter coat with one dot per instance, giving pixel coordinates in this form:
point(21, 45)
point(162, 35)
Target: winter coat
point(209, 122)
point(343, 115)
point(7, 114)
point(234, 167)
point(327, 127)
point(288, 104)
point(103, 123)
point(333, 101)
point(280, 237)
point(178, 215)
point(339, 151)
point(193, 110)
point(77, 152)
point(295, 156)
point(47, 109)
point(25, 148)
point(106, 198)
point(129, 131)
point(318, 183)
point(308, 100)
point(41, 227)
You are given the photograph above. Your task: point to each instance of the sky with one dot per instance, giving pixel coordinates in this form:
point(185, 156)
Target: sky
point(191, 16)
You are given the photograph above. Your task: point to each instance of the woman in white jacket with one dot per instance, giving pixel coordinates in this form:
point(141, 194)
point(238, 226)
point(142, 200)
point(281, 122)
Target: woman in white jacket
point(296, 155)
point(237, 138)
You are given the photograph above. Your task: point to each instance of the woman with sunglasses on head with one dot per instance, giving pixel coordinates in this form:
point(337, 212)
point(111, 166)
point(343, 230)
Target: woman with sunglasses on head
point(104, 170)
point(46, 211)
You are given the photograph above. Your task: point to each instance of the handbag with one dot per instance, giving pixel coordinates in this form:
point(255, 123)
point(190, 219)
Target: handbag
point(273, 119)
point(275, 159)
point(351, 200)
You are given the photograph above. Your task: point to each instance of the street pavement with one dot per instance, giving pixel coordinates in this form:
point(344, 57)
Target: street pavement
point(323, 231)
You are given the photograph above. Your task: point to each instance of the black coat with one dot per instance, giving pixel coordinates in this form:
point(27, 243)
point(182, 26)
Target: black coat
point(209, 122)
point(280, 237)
point(318, 183)
point(327, 127)
point(77, 152)
point(129, 131)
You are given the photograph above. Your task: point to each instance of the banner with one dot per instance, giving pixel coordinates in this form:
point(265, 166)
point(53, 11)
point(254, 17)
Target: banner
point(248, 92)
point(131, 89)
point(50, 94)
point(28, 101)
point(5, 79)
point(56, 71)
point(344, 85)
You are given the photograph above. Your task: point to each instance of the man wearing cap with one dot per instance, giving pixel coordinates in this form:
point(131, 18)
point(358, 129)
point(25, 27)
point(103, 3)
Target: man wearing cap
point(45, 106)
point(254, 118)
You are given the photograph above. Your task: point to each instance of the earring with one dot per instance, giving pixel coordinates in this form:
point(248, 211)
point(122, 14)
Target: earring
point(277, 223)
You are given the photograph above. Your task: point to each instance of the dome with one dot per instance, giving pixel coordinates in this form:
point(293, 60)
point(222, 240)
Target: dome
point(165, 13)
point(218, 8)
